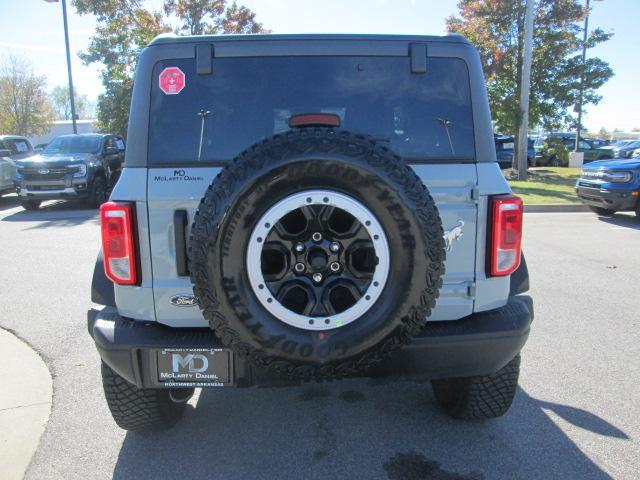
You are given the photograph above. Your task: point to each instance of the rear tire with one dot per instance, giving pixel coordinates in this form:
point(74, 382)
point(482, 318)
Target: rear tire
point(30, 204)
point(136, 409)
point(479, 398)
point(603, 212)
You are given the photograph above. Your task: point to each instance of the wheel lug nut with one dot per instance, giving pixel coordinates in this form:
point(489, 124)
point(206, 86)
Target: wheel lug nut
point(317, 277)
point(335, 266)
point(299, 247)
point(316, 237)
point(335, 246)
point(299, 267)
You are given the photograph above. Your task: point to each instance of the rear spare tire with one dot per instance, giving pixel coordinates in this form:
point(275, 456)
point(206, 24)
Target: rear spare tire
point(316, 253)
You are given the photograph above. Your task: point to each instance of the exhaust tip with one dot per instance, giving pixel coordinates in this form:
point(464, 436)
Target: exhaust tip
point(181, 395)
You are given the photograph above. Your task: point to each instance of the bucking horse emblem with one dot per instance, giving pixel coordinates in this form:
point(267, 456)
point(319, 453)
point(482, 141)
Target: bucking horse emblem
point(451, 236)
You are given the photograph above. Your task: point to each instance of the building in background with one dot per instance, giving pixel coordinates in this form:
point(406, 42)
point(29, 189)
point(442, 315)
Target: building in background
point(63, 127)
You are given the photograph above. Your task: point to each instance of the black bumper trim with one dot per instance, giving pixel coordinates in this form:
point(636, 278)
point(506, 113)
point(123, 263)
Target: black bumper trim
point(618, 200)
point(480, 344)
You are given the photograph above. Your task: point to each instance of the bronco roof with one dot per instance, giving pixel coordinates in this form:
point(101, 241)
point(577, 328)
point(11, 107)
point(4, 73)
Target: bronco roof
point(169, 38)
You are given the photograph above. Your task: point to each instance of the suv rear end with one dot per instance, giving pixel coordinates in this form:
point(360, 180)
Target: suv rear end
point(274, 185)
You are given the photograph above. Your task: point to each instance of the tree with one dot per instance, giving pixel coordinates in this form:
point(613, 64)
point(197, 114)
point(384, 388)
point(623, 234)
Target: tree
point(603, 132)
point(125, 27)
point(62, 106)
point(198, 17)
point(25, 108)
point(496, 27)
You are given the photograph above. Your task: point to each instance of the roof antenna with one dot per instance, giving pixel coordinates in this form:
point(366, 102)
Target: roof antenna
point(202, 114)
point(446, 122)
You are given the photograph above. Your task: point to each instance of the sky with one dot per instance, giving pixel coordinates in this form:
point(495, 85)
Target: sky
point(33, 29)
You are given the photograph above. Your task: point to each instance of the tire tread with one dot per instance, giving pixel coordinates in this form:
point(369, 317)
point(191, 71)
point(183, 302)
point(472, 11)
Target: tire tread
point(138, 409)
point(481, 397)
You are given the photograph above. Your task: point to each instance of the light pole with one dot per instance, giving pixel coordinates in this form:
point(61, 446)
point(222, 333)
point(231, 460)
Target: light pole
point(580, 92)
point(66, 41)
point(525, 84)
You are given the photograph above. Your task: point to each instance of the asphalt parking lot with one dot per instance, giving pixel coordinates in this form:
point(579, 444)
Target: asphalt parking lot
point(575, 416)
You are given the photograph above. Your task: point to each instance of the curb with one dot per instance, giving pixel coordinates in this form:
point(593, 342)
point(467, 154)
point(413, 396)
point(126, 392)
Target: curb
point(25, 404)
point(555, 208)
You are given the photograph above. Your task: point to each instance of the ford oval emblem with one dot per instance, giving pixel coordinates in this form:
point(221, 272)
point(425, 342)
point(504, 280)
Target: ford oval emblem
point(43, 171)
point(184, 300)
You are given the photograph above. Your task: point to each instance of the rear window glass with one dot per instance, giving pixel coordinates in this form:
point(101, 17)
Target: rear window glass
point(419, 116)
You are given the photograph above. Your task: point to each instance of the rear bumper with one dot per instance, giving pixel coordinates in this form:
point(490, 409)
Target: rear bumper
point(480, 344)
point(618, 200)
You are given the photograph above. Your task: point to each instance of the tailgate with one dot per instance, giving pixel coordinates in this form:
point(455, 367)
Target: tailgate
point(172, 190)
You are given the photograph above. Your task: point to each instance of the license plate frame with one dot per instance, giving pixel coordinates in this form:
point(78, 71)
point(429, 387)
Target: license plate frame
point(194, 367)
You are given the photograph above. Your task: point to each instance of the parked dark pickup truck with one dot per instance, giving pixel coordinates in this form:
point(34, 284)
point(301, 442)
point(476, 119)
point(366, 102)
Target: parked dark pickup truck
point(83, 166)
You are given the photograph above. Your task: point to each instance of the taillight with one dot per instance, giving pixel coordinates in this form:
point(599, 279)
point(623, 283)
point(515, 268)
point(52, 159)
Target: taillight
point(506, 234)
point(118, 244)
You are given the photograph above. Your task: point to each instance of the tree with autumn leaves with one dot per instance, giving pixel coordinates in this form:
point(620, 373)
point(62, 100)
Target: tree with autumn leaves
point(125, 27)
point(25, 108)
point(496, 27)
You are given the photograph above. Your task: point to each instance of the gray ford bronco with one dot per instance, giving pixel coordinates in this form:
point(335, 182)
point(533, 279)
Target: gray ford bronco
point(309, 207)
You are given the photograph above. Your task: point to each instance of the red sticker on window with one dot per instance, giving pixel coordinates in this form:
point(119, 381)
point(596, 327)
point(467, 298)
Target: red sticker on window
point(172, 80)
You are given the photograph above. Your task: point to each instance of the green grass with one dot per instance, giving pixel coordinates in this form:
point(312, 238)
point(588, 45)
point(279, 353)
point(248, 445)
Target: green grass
point(548, 185)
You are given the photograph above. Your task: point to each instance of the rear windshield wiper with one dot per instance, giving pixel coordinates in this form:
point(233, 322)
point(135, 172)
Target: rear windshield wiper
point(202, 114)
point(446, 123)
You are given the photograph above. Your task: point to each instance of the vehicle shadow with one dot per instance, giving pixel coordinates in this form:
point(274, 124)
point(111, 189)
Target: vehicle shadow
point(359, 429)
point(53, 214)
point(9, 201)
point(622, 220)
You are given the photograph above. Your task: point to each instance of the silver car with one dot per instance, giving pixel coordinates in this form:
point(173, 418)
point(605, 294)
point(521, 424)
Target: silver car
point(12, 148)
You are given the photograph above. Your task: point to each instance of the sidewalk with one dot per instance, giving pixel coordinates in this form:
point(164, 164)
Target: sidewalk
point(25, 404)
